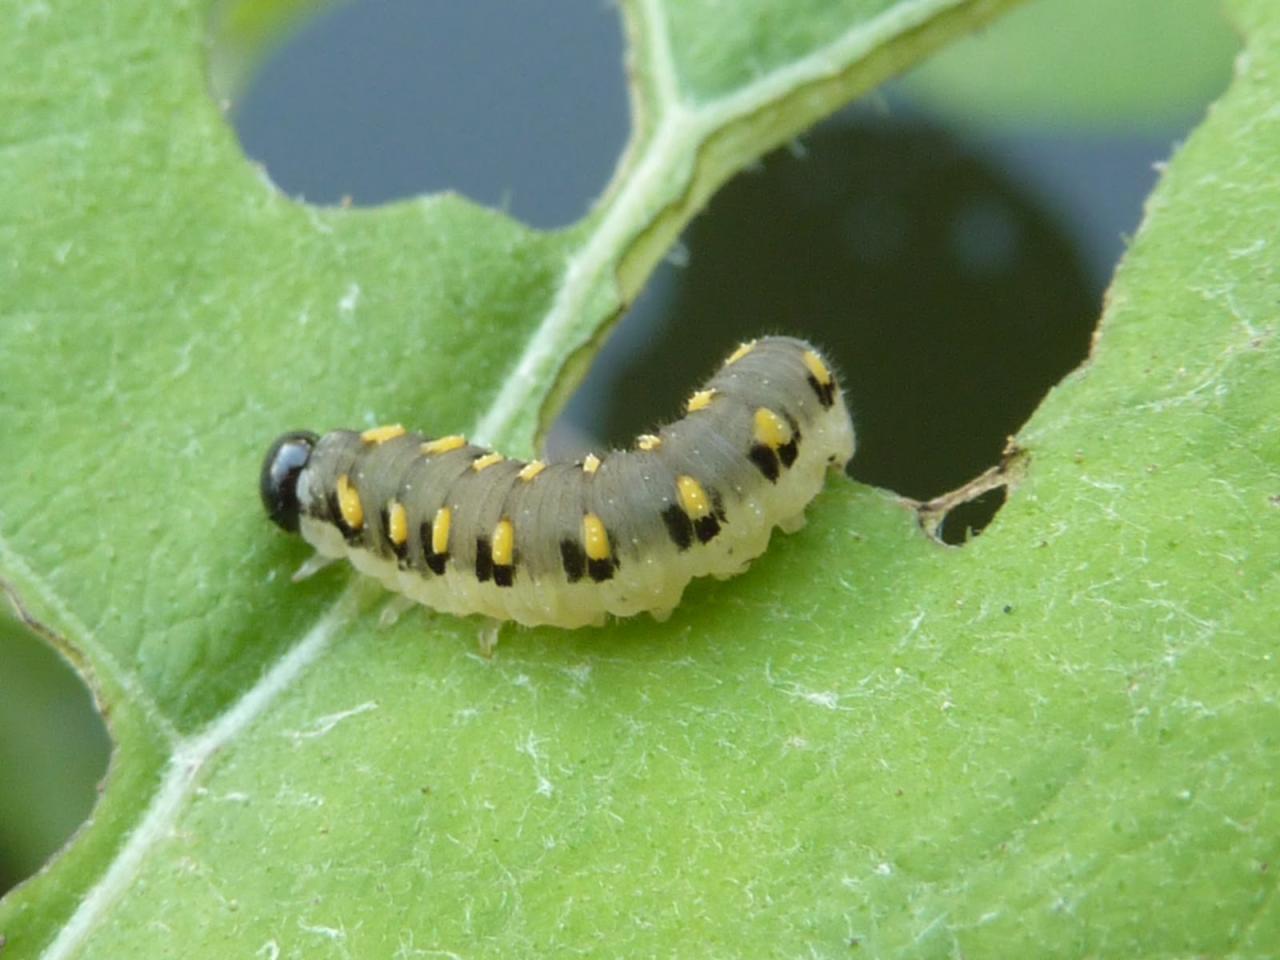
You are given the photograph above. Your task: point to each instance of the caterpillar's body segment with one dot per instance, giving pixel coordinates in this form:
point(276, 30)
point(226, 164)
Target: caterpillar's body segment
point(464, 530)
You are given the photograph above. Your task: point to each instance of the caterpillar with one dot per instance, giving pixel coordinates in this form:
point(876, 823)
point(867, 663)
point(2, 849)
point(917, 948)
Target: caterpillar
point(463, 529)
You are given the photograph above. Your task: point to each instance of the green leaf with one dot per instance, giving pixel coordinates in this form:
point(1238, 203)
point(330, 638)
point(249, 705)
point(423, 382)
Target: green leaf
point(1141, 65)
point(1056, 741)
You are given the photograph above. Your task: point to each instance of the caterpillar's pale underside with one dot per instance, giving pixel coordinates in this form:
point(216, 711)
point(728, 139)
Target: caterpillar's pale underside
point(465, 530)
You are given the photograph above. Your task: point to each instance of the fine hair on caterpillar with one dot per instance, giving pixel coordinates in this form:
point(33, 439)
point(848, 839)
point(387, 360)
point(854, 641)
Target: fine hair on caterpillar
point(463, 529)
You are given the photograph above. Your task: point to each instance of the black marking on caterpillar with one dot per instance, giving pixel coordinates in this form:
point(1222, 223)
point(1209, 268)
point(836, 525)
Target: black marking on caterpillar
point(434, 561)
point(484, 559)
point(826, 391)
point(679, 526)
point(766, 461)
point(706, 528)
point(334, 516)
point(574, 560)
point(399, 549)
point(464, 530)
point(600, 570)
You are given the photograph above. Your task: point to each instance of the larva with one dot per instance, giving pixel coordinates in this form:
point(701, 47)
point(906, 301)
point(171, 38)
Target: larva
point(465, 530)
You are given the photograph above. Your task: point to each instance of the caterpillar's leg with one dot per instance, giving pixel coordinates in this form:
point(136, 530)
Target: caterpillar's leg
point(397, 605)
point(736, 572)
point(793, 523)
point(311, 566)
point(662, 615)
point(489, 636)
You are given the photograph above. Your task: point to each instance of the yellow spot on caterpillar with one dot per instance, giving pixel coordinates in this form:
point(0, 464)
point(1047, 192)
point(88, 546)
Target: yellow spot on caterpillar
point(397, 523)
point(595, 539)
point(503, 543)
point(692, 497)
point(444, 444)
point(648, 441)
point(531, 470)
point(817, 368)
point(742, 351)
point(488, 460)
point(590, 463)
point(378, 435)
point(770, 429)
point(700, 400)
point(440, 530)
point(349, 503)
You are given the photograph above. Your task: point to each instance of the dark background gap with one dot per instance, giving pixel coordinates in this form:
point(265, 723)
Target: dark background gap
point(949, 299)
point(970, 518)
point(519, 106)
point(954, 274)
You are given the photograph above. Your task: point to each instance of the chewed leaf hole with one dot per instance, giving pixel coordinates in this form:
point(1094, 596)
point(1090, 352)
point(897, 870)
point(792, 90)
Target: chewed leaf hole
point(920, 263)
point(54, 748)
point(968, 519)
point(960, 515)
point(517, 106)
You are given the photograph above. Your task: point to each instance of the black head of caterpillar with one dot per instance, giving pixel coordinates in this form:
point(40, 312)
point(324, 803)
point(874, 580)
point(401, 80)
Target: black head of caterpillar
point(278, 484)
